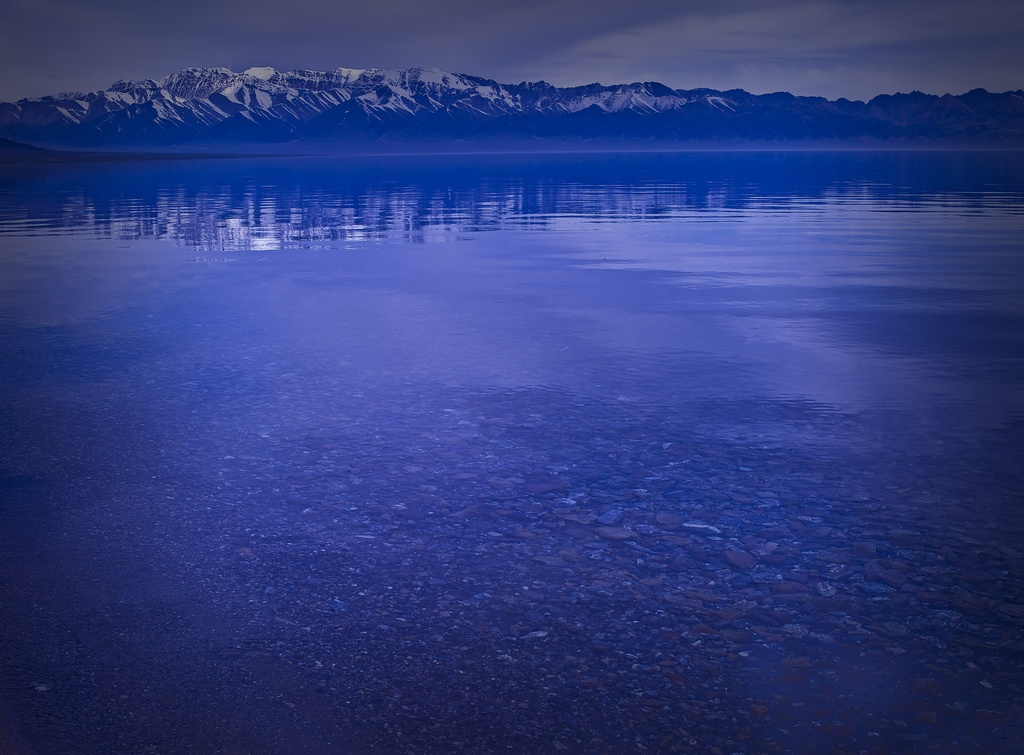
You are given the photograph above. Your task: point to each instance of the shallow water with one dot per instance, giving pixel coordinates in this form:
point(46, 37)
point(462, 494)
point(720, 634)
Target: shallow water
point(621, 453)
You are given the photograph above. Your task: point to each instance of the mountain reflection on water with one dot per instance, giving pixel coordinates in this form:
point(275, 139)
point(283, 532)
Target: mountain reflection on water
point(585, 453)
point(273, 204)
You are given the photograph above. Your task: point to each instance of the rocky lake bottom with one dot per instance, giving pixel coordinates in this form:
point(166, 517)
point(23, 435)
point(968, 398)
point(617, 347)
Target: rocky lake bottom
point(426, 500)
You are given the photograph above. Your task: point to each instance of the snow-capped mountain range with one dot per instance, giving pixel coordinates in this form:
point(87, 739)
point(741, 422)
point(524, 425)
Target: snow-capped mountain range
point(215, 108)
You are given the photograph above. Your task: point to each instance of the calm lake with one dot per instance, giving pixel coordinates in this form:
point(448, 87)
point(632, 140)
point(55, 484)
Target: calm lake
point(707, 452)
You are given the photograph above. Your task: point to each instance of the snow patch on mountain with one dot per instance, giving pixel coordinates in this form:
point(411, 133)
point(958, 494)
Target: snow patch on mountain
point(264, 73)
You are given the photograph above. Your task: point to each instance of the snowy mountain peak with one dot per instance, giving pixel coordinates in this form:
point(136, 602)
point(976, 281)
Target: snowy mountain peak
point(264, 73)
point(438, 77)
point(197, 83)
point(348, 74)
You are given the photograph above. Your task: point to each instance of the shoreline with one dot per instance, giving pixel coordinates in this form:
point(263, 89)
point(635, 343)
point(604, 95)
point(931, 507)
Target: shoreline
point(54, 155)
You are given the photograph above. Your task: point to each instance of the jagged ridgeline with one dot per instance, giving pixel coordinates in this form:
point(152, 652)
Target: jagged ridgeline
point(215, 108)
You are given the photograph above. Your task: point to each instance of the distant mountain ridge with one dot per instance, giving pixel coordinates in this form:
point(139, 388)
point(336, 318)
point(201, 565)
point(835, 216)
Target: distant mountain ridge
point(6, 145)
point(211, 108)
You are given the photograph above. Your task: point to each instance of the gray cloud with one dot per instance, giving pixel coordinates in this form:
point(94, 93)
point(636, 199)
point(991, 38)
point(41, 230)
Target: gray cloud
point(854, 49)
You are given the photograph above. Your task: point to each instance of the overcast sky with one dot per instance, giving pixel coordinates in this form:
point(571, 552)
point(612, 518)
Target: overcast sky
point(832, 48)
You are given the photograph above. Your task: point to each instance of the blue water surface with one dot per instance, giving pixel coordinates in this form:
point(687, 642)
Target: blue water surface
point(581, 453)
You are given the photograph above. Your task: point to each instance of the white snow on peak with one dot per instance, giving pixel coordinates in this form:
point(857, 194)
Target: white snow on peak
point(194, 72)
point(720, 103)
point(260, 72)
point(440, 77)
point(350, 74)
point(433, 76)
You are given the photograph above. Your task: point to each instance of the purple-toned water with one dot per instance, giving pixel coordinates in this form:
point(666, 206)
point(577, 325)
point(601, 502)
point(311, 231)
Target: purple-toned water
point(591, 454)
